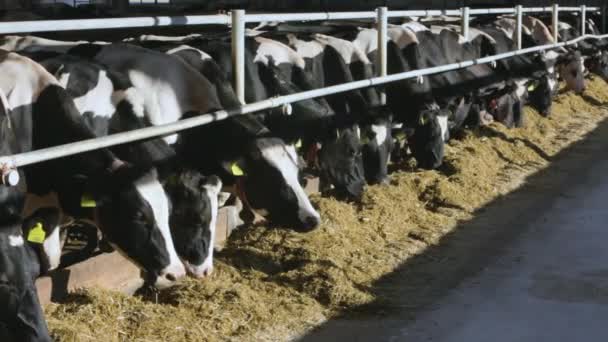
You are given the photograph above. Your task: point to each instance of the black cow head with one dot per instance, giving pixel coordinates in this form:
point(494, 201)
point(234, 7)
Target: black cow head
point(598, 65)
point(271, 184)
point(430, 134)
point(540, 94)
point(194, 200)
point(507, 108)
point(133, 213)
point(571, 70)
point(341, 163)
point(377, 147)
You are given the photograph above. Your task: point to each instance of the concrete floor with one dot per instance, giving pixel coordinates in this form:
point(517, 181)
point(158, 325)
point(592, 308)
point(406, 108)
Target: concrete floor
point(548, 283)
point(552, 285)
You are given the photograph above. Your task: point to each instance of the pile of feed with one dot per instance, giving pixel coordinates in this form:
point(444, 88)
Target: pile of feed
point(273, 284)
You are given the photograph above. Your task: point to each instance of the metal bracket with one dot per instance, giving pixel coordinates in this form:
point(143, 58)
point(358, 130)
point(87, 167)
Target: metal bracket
point(9, 176)
point(287, 109)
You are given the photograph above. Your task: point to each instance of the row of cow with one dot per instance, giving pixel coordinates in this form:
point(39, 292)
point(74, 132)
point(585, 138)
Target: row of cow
point(156, 201)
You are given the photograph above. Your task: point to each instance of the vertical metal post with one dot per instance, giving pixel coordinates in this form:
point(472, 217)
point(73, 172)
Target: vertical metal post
point(518, 13)
point(238, 52)
point(555, 22)
point(381, 62)
point(583, 19)
point(465, 22)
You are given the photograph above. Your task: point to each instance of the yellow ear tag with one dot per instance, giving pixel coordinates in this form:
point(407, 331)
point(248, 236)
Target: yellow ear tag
point(86, 201)
point(422, 121)
point(236, 170)
point(36, 234)
point(365, 140)
point(401, 136)
point(531, 87)
point(299, 144)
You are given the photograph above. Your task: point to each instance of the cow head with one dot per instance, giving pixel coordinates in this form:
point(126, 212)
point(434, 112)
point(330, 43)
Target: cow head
point(341, 163)
point(571, 70)
point(377, 147)
point(314, 120)
point(598, 65)
point(540, 94)
point(194, 200)
point(271, 183)
point(507, 108)
point(430, 134)
point(133, 213)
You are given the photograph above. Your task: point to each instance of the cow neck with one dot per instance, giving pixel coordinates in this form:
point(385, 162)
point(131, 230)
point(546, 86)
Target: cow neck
point(312, 155)
point(241, 193)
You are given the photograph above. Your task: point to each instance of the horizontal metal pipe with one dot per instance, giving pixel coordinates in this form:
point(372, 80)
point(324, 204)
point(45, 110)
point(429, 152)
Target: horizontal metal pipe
point(222, 19)
point(109, 23)
point(423, 13)
point(27, 158)
point(561, 9)
point(492, 11)
point(256, 18)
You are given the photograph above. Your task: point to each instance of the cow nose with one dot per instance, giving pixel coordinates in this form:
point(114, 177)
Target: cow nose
point(310, 223)
point(170, 277)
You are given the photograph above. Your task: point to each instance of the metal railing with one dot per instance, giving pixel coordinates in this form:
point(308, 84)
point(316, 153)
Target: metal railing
point(238, 19)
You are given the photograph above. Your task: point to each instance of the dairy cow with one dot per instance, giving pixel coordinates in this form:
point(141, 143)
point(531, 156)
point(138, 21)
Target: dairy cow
point(311, 121)
point(38, 106)
point(173, 90)
point(330, 61)
point(109, 104)
point(568, 65)
point(410, 101)
point(595, 52)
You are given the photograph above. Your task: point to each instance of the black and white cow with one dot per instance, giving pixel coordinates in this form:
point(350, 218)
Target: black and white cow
point(280, 71)
point(28, 249)
point(173, 90)
point(332, 61)
point(307, 65)
point(109, 104)
point(568, 65)
point(410, 101)
point(310, 120)
point(595, 52)
point(43, 115)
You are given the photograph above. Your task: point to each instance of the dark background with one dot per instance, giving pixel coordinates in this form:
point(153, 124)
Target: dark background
point(14, 9)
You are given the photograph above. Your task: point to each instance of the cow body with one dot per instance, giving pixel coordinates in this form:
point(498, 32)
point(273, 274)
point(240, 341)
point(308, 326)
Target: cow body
point(110, 104)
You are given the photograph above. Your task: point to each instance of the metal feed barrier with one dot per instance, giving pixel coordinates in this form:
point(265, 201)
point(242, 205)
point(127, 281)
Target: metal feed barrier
point(237, 19)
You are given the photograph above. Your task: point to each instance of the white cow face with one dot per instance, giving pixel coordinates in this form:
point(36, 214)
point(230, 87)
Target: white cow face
point(194, 210)
point(571, 70)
